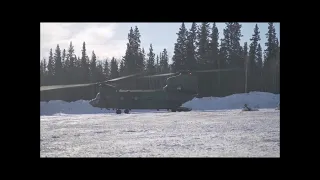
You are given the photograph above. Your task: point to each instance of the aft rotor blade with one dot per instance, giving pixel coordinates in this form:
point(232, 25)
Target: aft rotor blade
point(219, 70)
point(123, 77)
point(47, 88)
point(159, 75)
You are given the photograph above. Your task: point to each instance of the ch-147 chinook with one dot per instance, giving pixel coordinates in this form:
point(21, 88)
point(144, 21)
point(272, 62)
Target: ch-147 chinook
point(180, 87)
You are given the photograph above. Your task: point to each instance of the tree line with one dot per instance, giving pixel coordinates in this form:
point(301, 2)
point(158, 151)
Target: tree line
point(197, 48)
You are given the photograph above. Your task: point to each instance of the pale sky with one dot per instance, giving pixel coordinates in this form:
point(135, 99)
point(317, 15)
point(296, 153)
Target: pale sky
point(109, 40)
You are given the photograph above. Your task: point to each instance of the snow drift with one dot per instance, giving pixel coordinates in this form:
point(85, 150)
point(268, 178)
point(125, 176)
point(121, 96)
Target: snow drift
point(236, 101)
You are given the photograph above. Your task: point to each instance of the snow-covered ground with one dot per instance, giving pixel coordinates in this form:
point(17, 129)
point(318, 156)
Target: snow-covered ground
point(215, 128)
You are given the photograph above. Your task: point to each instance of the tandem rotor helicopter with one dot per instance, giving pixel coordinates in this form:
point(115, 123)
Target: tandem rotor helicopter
point(180, 87)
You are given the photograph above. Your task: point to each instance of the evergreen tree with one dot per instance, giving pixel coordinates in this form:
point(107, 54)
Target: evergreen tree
point(223, 55)
point(245, 49)
point(100, 74)
point(203, 45)
point(157, 65)
point(259, 68)
point(93, 68)
point(225, 49)
point(44, 67)
point(191, 60)
point(63, 58)
point(150, 63)
point(121, 68)
point(259, 57)
point(271, 44)
point(78, 71)
point(254, 46)
point(70, 65)
point(138, 56)
point(64, 80)
point(246, 63)
point(236, 60)
point(214, 46)
point(232, 53)
point(85, 65)
point(106, 69)
point(42, 70)
point(58, 65)
point(270, 68)
point(113, 69)
point(179, 55)
point(70, 61)
point(252, 64)
point(144, 60)
point(164, 61)
point(50, 66)
point(130, 65)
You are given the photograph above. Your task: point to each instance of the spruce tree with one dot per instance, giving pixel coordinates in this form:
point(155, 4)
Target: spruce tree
point(157, 65)
point(70, 60)
point(214, 46)
point(100, 74)
point(259, 68)
point(151, 61)
point(270, 76)
point(130, 56)
point(93, 68)
point(180, 53)
point(252, 64)
point(85, 65)
point(138, 56)
point(121, 68)
point(106, 69)
point(203, 45)
point(191, 60)
point(63, 58)
point(164, 61)
point(58, 65)
point(114, 68)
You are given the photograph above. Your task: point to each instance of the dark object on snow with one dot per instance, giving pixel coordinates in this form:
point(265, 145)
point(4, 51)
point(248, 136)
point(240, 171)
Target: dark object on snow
point(246, 108)
point(183, 109)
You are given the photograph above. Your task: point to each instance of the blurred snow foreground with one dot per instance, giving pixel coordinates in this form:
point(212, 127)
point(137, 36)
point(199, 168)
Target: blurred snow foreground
point(217, 127)
point(253, 100)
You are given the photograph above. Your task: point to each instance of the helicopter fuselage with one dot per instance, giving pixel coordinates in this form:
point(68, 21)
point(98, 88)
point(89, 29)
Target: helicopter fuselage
point(141, 99)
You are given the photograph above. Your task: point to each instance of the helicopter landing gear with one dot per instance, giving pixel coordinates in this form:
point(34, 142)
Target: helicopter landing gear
point(118, 111)
point(126, 111)
point(173, 110)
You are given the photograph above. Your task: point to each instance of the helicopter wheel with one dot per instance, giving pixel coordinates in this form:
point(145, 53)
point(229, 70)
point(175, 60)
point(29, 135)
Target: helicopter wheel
point(126, 111)
point(118, 111)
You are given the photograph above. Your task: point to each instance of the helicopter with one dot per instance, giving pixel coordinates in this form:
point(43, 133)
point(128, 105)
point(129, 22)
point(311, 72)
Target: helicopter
point(180, 87)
